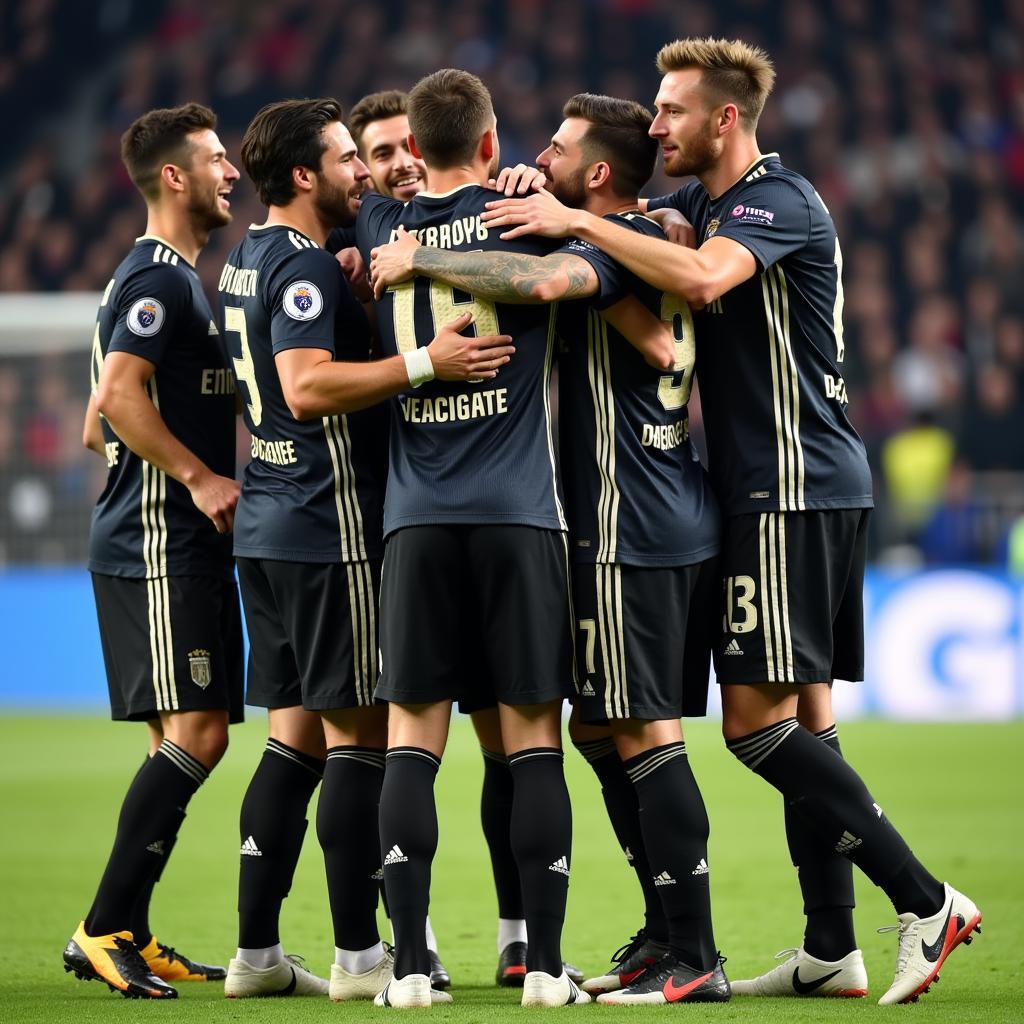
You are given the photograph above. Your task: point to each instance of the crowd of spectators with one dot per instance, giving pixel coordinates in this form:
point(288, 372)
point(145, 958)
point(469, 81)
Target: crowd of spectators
point(907, 115)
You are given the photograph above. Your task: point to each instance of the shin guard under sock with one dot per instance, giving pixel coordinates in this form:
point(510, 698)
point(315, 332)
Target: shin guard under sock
point(675, 826)
point(272, 826)
point(833, 799)
point(346, 825)
point(620, 801)
point(408, 841)
point(542, 842)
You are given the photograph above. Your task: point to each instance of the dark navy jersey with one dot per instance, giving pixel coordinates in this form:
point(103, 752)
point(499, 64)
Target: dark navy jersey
point(462, 452)
point(145, 524)
point(635, 490)
point(770, 351)
point(313, 491)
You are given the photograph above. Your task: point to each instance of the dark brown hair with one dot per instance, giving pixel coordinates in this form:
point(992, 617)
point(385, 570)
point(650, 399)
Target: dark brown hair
point(448, 112)
point(281, 137)
point(732, 71)
point(617, 135)
point(375, 107)
point(161, 137)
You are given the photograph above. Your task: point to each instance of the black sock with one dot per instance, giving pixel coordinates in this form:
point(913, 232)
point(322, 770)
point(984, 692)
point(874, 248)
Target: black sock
point(495, 817)
point(542, 842)
point(346, 825)
point(826, 880)
point(831, 796)
point(150, 815)
point(408, 841)
point(675, 826)
point(141, 932)
point(272, 825)
point(620, 802)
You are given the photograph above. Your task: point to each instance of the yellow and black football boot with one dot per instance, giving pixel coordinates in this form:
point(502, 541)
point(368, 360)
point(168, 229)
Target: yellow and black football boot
point(114, 959)
point(167, 963)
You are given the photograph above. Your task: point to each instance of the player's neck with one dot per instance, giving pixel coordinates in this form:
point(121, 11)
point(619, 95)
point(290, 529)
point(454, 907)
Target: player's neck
point(605, 205)
point(441, 181)
point(178, 232)
point(301, 217)
point(735, 162)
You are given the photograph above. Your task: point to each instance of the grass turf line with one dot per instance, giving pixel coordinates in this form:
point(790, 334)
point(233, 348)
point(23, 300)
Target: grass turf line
point(956, 791)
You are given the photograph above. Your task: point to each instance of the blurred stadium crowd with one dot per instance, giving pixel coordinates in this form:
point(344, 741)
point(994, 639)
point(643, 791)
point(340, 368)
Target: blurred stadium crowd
point(908, 115)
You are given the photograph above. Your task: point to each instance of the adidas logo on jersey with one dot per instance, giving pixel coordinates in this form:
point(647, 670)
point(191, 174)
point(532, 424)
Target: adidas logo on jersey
point(250, 849)
point(395, 856)
point(588, 690)
point(701, 868)
point(156, 847)
point(878, 810)
point(212, 329)
point(847, 842)
point(732, 648)
point(561, 866)
point(664, 879)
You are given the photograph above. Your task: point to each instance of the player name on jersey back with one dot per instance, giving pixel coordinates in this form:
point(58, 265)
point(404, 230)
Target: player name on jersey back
point(145, 524)
point(313, 490)
point(465, 452)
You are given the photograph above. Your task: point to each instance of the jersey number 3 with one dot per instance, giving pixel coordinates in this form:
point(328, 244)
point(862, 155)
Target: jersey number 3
point(245, 368)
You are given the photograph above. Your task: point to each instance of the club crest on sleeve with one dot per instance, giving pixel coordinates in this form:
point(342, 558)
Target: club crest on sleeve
point(199, 667)
point(146, 317)
point(303, 301)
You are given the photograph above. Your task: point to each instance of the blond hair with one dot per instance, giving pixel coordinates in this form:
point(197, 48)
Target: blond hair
point(732, 72)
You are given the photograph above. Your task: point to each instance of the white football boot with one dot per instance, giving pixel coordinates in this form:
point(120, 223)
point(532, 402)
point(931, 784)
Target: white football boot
point(804, 975)
point(287, 978)
point(540, 989)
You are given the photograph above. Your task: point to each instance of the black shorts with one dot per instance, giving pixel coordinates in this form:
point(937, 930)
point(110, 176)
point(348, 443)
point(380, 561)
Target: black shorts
point(312, 633)
point(793, 587)
point(643, 642)
point(498, 593)
point(170, 644)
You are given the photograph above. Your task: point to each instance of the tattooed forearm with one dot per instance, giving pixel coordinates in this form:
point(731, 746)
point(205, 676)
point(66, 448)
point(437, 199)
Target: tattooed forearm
point(508, 276)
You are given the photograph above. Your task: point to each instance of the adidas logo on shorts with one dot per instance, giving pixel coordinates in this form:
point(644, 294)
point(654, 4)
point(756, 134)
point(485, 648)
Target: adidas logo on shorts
point(250, 849)
point(588, 690)
point(701, 868)
point(395, 856)
point(561, 866)
point(378, 875)
point(732, 647)
point(157, 847)
point(664, 879)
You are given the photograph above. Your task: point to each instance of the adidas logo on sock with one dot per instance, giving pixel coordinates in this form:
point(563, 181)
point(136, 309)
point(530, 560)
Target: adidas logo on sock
point(847, 842)
point(378, 875)
point(664, 879)
point(629, 855)
point(395, 856)
point(588, 690)
point(878, 810)
point(250, 849)
point(561, 866)
point(701, 868)
point(157, 847)
point(732, 648)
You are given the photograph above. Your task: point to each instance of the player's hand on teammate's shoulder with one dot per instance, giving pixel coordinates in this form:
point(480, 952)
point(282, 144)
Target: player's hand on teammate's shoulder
point(392, 263)
point(216, 497)
point(676, 227)
point(354, 270)
point(457, 357)
point(518, 180)
point(539, 214)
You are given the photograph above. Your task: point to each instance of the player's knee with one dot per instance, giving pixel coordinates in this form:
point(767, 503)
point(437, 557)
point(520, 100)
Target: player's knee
point(204, 737)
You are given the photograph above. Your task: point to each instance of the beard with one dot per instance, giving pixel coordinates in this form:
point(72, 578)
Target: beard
point(699, 155)
point(206, 213)
point(333, 204)
point(571, 190)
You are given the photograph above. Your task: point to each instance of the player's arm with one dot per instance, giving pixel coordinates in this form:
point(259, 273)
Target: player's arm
point(699, 276)
point(314, 385)
point(495, 276)
point(122, 398)
point(651, 337)
point(92, 429)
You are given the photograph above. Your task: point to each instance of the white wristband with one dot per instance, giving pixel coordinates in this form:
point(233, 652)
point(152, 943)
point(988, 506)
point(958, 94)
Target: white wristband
point(418, 366)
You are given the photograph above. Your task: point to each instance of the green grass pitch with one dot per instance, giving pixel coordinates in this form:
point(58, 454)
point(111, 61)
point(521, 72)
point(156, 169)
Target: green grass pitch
point(956, 791)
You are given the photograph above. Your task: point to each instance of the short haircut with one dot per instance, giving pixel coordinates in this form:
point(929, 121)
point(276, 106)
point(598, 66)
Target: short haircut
point(448, 112)
point(376, 107)
point(617, 135)
point(161, 137)
point(733, 72)
point(281, 137)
